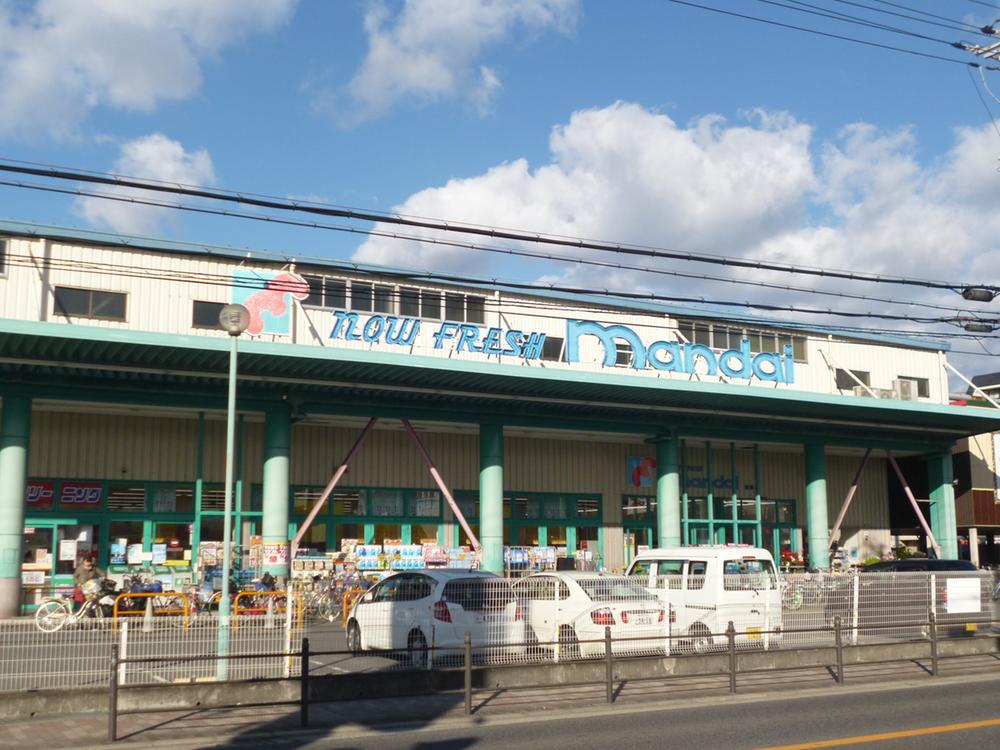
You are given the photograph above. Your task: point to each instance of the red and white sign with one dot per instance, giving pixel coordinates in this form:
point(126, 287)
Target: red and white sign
point(40, 494)
point(81, 495)
point(276, 554)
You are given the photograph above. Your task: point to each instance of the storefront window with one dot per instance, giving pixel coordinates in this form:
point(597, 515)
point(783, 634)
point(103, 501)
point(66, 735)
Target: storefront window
point(354, 533)
point(73, 543)
point(171, 543)
point(557, 536)
point(423, 532)
point(469, 506)
point(347, 504)
point(555, 507)
point(212, 529)
point(388, 533)
point(527, 536)
point(697, 507)
point(175, 499)
point(386, 503)
point(463, 538)
point(315, 537)
point(588, 509)
point(37, 549)
point(122, 536)
point(427, 504)
point(127, 498)
point(304, 499)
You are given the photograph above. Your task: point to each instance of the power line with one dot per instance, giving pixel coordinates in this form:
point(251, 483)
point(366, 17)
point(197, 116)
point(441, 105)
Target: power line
point(831, 35)
point(803, 7)
point(924, 13)
point(979, 93)
point(479, 230)
point(505, 251)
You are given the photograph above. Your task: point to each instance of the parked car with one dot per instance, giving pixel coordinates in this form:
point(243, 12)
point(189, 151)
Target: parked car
point(419, 613)
point(574, 608)
point(896, 597)
point(712, 585)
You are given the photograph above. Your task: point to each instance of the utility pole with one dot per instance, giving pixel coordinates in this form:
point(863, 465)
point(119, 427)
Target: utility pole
point(987, 52)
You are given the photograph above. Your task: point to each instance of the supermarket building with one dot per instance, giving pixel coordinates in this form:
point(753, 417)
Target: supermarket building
point(585, 424)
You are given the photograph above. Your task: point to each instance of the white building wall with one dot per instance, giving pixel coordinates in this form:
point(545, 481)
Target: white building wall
point(161, 288)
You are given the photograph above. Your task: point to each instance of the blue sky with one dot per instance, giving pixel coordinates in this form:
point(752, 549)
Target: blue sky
point(642, 121)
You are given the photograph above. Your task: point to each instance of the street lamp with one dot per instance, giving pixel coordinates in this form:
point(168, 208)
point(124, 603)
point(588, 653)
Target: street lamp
point(233, 319)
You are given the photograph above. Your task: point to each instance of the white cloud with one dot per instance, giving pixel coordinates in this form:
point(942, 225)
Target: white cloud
point(626, 173)
point(153, 157)
point(430, 50)
point(60, 59)
point(762, 189)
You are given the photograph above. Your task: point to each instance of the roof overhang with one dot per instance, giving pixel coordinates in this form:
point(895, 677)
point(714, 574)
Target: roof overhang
point(97, 364)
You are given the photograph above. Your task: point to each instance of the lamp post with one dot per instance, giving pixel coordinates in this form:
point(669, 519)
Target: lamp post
point(233, 319)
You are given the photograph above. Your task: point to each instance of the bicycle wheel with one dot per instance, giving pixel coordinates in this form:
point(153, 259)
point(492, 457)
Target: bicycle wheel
point(52, 615)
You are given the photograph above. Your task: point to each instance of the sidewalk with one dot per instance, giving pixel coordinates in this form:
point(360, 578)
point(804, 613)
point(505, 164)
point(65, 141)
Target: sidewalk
point(278, 726)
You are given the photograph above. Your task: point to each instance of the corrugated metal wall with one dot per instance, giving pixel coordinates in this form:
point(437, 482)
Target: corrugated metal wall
point(76, 445)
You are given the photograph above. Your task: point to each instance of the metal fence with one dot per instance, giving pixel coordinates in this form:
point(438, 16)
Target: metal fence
point(410, 621)
point(78, 654)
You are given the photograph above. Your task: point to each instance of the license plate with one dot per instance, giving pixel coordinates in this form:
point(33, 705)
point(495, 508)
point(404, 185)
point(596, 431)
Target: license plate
point(753, 633)
point(643, 620)
point(971, 627)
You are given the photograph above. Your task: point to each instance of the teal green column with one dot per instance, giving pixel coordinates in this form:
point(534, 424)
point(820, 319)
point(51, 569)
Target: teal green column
point(668, 492)
point(943, 522)
point(277, 449)
point(817, 520)
point(491, 496)
point(15, 433)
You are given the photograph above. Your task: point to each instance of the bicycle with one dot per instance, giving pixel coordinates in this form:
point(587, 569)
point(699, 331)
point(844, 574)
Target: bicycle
point(54, 614)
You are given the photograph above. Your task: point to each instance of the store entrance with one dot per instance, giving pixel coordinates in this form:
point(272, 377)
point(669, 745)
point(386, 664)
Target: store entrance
point(52, 550)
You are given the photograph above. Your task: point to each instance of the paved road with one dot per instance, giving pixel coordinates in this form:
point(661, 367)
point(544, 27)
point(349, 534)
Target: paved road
point(929, 716)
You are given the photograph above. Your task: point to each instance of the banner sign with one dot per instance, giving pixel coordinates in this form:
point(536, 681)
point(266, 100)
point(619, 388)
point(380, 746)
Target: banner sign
point(39, 495)
point(81, 495)
point(276, 554)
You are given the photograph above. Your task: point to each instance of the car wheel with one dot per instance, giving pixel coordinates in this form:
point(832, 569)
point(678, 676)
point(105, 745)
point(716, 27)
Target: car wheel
point(701, 639)
point(417, 649)
point(569, 644)
point(354, 637)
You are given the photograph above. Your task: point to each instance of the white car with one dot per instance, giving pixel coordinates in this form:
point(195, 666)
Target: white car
point(427, 614)
point(574, 608)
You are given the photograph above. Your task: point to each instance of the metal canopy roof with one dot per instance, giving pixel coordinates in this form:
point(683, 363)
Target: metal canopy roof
point(73, 362)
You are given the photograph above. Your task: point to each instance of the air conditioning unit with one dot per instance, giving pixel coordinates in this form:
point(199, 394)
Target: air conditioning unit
point(906, 390)
point(860, 390)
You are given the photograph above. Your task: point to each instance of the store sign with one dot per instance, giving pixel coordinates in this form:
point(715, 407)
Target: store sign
point(39, 495)
point(268, 298)
point(674, 356)
point(665, 356)
point(81, 495)
point(457, 337)
point(642, 473)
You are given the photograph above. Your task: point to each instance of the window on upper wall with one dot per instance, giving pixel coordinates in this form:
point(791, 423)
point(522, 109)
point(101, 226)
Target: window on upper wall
point(623, 354)
point(846, 383)
point(206, 314)
point(88, 303)
point(923, 385)
point(464, 308)
point(552, 349)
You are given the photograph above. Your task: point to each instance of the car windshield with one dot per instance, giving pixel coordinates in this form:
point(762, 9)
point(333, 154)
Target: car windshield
point(478, 594)
point(614, 590)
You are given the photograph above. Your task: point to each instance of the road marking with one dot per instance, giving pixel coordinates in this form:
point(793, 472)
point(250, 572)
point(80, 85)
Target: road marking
point(942, 729)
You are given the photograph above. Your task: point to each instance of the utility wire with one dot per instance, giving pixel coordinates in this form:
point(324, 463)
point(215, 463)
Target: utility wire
point(979, 93)
point(478, 230)
point(830, 35)
point(505, 251)
point(969, 26)
point(803, 7)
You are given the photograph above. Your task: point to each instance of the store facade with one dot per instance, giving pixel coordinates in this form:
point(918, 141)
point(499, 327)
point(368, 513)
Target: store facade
point(583, 426)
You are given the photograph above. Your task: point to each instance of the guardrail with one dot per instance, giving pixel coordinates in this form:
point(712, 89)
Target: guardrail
point(277, 604)
point(465, 653)
point(170, 597)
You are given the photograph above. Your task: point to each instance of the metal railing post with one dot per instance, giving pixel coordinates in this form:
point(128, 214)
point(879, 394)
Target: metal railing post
point(113, 696)
point(932, 624)
point(468, 674)
point(838, 635)
point(304, 683)
point(731, 645)
point(608, 665)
